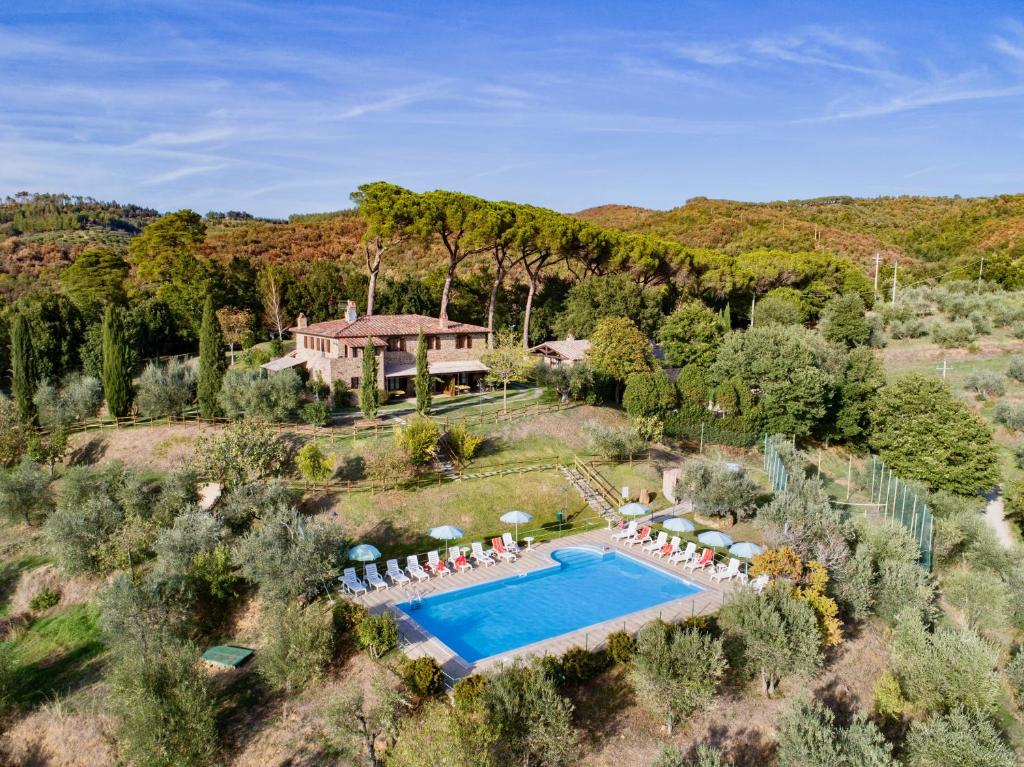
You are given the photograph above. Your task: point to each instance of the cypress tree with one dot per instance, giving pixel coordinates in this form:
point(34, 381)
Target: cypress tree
point(211, 362)
point(368, 401)
point(727, 318)
point(117, 366)
point(24, 373)
point(422, 377)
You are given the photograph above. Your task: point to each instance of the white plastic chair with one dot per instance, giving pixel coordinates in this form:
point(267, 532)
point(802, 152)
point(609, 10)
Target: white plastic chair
point(479, 555)
point(685, 555)
point(657, 543)
point(415, 570)
point(372, 577)
point(395, 573)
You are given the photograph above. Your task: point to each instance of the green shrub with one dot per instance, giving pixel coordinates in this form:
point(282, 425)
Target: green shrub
point(315, 413)
point(347, 615)
point(982, 325)
point(951, 335)
point(612, 442)
point(377, 634)
point(1010, 416)
point(419, 440)
point(386, 467)
point(298, 645)
point(422, 676)
point(986, 385)
point(580, 665)
point(911, 328)
point(621, 647)
point(1015, 367)
point(1017, 329)
point(44, 600)
point(889, 703)
point(463, 442)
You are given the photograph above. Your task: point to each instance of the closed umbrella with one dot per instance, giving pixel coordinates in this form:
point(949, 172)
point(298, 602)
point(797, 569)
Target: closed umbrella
point(745, 549)
point(446, 533)
point(634, 509)
point(679, 525)
point(516, 518)
point(715, 539)
point(364, 552)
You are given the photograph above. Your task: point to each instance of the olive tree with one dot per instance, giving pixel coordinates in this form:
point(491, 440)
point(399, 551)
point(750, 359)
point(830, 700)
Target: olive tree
point(25, 492)
point(773, 633)
point(718, 490)
point(674, 671)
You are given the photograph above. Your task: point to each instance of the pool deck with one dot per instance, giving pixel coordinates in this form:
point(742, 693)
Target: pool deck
point(416, 642)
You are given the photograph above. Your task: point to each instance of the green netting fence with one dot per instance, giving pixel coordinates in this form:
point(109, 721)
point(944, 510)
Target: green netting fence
point(889, 496)
point(899, 502)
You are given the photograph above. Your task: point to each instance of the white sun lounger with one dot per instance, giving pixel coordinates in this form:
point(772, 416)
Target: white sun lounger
point(372, 577)
point(510, 544)
point(395, 573)
point(759, 583)
point(479, 555)
point(351, 581)
point(415, 570)
point(628, 532)
point(657, 543)
point(684, 555)
point(706, 559)
point(726, 572)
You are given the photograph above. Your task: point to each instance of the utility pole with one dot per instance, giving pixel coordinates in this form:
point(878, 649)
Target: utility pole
point(878, 260)
point(895, 266)
point(981, 270)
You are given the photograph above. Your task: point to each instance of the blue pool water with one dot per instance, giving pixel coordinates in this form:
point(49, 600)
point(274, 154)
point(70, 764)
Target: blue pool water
point(585, 588)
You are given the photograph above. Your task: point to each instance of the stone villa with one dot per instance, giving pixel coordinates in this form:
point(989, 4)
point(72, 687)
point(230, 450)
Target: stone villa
point(334, 350)
point(565, 353)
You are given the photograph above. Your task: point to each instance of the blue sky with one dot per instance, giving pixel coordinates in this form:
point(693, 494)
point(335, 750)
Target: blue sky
point(286, 107)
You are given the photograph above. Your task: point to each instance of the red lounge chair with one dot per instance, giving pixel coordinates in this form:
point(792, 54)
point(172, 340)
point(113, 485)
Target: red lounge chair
point(500, 550)
point(642, 537)
point(461, 564)
point(706, 558)
point(665, 550)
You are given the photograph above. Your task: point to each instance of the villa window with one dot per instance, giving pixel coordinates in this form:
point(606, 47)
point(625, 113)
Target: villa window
point(463, 342)
point(434, 343)
point(396, 344)
point(356, 351)
point(354, 382)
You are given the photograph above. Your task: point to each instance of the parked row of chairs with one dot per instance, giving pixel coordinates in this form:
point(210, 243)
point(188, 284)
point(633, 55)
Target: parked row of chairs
point(502, 549)
point(668, 549)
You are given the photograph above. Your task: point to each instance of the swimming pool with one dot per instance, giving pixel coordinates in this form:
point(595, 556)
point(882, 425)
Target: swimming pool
point(584, 588)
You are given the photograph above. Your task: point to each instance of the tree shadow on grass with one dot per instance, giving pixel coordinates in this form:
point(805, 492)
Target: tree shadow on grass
point(600, 705)
point(748, 746)
point(10, 573)
point(246, 706)
point(58, 675)
point(89, 453)
point(352, 468)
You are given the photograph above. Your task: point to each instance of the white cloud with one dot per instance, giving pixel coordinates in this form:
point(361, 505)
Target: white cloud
point(180, 173)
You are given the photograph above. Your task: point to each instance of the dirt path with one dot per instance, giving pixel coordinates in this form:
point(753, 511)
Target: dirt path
point(995, 519)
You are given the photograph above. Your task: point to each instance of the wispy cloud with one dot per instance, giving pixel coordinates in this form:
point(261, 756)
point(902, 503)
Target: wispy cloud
point(1011, 42)
point(180, 173)
point(647, 68)
point(928, 96)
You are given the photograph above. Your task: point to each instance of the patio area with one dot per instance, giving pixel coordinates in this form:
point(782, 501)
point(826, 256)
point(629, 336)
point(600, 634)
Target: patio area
point(416, 642)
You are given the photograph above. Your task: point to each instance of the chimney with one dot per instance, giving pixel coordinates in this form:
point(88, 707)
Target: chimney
point(570, 337)
point(300, 321)
point(350, 311)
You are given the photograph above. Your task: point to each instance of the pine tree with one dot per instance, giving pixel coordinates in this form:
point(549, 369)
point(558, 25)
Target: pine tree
point(368, 401)
point(117, 366)
point(423, 386)
point(211, 362)
point(24, 373)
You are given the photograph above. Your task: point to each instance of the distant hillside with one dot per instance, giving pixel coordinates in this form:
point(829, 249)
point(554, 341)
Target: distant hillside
point(932, 232)
point(40, 234)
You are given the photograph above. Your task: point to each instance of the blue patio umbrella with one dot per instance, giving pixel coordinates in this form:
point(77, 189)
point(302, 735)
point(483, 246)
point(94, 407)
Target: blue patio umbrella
point(745, 549)
point(364, 552)
point(446, 533)
point(715, 539)
point(634, 509)
point(679, 525)
point(516, 518)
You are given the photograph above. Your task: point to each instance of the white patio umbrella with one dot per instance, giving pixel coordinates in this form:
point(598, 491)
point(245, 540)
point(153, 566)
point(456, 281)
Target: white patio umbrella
point(516, 518)
point(634, 509)
point(364, 552)
point(447, 533)
point(679, 525)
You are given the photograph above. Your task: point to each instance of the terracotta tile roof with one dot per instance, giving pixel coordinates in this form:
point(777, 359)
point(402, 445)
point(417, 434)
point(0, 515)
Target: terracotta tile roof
point(382, 325)
point(571, 349)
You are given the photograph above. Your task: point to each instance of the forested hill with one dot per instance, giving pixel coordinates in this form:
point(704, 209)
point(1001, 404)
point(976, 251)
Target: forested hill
point(930, 233)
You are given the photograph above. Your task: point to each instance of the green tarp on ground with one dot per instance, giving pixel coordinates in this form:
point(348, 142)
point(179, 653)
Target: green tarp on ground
point(227, 655)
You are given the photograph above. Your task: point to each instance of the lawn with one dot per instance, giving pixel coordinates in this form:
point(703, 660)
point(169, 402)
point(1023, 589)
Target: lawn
point(397, 521)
